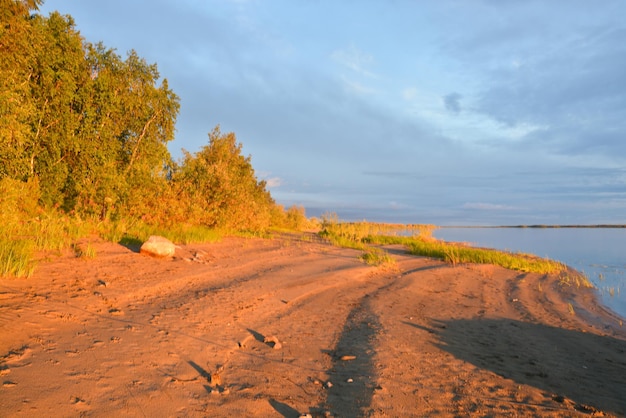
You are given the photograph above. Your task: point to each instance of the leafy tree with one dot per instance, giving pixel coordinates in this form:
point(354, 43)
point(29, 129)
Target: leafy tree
point(126, 123)
point(86, 130)
point(220, 186)
point(91, 127)
point(17, 56)
point(59, 72)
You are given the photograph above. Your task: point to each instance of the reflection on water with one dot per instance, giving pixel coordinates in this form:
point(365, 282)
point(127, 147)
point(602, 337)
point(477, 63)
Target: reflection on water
point(600, 253)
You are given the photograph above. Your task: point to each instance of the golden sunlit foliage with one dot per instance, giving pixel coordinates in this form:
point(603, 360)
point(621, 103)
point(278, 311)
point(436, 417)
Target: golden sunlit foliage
point(83, 149)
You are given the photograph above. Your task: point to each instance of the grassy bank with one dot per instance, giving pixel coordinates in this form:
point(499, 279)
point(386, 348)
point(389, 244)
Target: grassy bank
point(456, 253)
point(21, 240)
point(363, 235)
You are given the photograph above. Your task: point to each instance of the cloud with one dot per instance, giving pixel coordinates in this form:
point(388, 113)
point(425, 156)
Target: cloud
point(409, 93)
point(356, 87)
point(486, 206)
point(452, 102)
point(274, 182)
point(355, 60)
point(369, 120)
point(572, 85)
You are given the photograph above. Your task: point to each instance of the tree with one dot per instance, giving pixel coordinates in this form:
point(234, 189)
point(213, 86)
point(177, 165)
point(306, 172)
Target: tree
point(220, 186)
point(91, 127)
point(58, 74)
point(125, 126)
point(85, 130)
point(17, 56)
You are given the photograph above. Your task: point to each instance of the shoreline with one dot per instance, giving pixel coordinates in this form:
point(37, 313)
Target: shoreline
point(590, 251)
point(292, 325)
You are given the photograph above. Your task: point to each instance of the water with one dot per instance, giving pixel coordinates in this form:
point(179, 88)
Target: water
point(600, 253)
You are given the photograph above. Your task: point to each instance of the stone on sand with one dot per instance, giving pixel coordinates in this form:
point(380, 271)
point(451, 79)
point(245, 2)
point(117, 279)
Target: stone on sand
point(157, 246)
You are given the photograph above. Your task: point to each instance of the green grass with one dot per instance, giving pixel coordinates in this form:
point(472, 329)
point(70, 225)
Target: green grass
point(376, 257)
point(190, 234)
point(359, 236)
point(456, 253)
point(16, 258)
point(133, 233)
point(20, 239)
point(84, 250)
point(334, 229)
point(578, 280)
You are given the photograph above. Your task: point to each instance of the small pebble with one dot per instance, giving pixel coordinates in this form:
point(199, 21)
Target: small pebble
point(329, 384)
point(349, 380)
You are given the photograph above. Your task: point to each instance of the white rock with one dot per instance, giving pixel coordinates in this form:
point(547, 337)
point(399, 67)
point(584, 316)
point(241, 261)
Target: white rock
point(157, 246)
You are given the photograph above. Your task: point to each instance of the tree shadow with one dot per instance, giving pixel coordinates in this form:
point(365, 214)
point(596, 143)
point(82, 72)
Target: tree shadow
point(588, 369)
point(284, 409)
point(352, 375)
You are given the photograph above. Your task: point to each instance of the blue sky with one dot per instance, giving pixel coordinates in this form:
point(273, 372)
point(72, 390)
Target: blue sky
point(475, 112)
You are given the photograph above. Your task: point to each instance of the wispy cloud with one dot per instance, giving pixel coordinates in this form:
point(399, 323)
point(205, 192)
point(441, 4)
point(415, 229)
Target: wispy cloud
point(486, 206)
point(357, 87)
point(274, 182)
point(495, 112)
point(355, 60)
point(409, 93)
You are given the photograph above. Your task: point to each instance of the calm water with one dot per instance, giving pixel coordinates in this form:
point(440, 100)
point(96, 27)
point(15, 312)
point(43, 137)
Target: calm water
point(600, 253)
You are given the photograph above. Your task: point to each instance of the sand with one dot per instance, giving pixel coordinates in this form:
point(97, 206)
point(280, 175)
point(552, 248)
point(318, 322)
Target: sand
point(290, 326)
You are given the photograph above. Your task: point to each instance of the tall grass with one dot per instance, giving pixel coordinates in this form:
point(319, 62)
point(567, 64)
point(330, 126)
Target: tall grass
point(456, 253)
point(179, 233)
point(359, 234)
point(27, 227)
point(16, 258)
point(376, 256)
point(354, 235)
point(336, 230)
point(21, 239)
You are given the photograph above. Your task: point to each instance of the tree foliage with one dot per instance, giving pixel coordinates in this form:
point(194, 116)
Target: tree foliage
point(90, 126)
point(220, 188)
point(85, 130)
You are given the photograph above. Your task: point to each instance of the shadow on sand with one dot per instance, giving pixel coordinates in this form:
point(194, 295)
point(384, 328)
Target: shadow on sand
point(352, 374)
point(284, 409)
point(588, 369)
point(130, 243)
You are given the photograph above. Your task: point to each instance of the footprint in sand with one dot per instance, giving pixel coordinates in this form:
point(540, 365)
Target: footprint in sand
point(79, 403)
point(16, 355)
point(72, 353)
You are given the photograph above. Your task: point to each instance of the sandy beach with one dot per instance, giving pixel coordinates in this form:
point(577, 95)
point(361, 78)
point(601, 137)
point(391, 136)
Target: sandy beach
point(292, 325)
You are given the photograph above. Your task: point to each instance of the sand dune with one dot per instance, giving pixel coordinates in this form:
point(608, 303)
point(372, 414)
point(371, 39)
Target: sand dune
point(290, 326)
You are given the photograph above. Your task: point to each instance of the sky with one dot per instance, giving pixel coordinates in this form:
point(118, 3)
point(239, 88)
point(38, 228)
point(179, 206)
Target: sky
point(450, 112)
